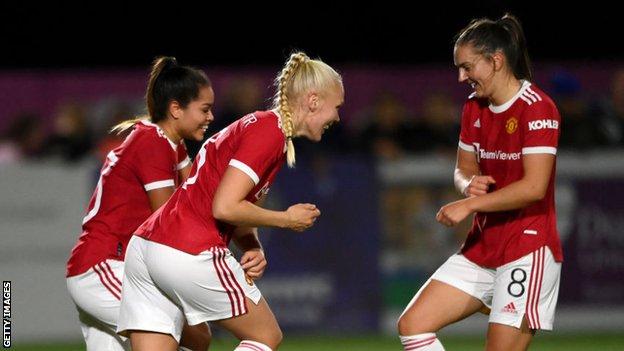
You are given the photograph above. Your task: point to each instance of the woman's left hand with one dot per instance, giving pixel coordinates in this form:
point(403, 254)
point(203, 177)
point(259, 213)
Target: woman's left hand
point(453, 213)
point(254, 263)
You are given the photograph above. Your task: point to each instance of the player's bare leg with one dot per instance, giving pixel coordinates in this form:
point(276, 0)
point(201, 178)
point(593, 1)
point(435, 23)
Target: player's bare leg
point(196, 337)
point(437, 306)
point(259, 325)
point(151, 341)
point(504, 337)
point(434, 307)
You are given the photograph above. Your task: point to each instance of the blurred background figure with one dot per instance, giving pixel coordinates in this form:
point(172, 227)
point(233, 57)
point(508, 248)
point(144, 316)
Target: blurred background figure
point(578, 130)
point(108, 140)
point(388, 130)
point(608, 111)
point(242, 95)
point(71, 138)
point(438, 125)
point(22, 140)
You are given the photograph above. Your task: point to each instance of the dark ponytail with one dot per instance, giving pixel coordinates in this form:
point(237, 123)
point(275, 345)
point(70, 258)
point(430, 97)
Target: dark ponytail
point(505, 35)
point(520, 62)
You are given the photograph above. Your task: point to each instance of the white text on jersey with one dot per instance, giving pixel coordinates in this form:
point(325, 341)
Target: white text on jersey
point(543, 123)
point(498, 155)
point(249, 120)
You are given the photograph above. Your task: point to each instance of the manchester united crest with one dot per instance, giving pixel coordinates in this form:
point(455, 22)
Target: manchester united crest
point(511, 125)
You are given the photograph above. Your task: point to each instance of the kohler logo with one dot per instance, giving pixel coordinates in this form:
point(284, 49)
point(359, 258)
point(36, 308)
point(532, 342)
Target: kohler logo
point(543, 123)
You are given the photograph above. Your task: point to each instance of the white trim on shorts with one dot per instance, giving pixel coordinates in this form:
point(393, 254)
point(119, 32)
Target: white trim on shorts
point(228, 281)
point(108, 278)
point(535, 287)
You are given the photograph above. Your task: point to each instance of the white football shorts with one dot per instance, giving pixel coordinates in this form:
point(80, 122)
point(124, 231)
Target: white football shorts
point(528, 286)
point(163, 285)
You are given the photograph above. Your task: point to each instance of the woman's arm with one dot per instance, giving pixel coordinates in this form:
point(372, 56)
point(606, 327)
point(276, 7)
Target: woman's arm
point(530, 188)
point(229, 205)
point(253, 260)
point(158, 197)
point(467, 178)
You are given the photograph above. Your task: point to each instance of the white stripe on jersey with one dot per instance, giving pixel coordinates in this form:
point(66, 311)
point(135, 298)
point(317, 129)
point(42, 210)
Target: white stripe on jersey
point(466, 147)
point(159, 184)
point(529, 96)
point(246, 169)
point(539, 150)
point(534, 93)
point(112, 160)
point(525, 99)
point(183, 163)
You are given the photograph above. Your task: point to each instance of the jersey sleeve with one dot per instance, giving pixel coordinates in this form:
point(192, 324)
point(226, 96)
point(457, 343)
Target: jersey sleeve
point(541, 128)
point(469, 123)
point(262, 143)
point(154, 163)
point(183, 157)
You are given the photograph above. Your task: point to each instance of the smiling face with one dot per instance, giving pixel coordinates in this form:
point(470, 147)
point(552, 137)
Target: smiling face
point(475, 70)
point(322, 112)
point(193, 120)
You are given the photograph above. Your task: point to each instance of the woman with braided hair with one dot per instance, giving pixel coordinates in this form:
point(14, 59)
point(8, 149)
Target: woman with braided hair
point(178, 263)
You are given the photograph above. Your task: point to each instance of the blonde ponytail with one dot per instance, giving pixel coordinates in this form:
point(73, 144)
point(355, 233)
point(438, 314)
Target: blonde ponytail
point(127, 124)
point(281, 101)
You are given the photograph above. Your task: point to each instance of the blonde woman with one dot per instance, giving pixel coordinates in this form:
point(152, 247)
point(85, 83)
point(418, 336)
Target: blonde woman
point(178, 263)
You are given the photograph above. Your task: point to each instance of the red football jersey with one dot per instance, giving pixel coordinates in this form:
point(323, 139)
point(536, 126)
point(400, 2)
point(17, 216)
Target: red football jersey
point(255, 145)
point(146, 160)
point(500, 135)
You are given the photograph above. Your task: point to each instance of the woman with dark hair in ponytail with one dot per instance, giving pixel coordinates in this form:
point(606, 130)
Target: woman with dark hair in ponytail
point(510, 263)
point(178, 264)
point(136, 179)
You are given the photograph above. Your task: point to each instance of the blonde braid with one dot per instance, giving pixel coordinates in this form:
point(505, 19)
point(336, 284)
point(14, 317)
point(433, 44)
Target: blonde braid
point(295, 61)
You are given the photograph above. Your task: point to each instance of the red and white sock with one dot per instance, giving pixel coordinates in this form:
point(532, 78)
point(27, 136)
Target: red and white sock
point(421, 342)
point(248, 345)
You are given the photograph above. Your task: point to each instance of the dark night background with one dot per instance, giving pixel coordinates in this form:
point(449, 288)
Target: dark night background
point(108, 34)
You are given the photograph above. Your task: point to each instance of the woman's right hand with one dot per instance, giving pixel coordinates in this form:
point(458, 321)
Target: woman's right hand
point(301, 216)
point(479, 185)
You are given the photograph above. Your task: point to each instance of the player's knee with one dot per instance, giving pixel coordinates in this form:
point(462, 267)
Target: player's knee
point(409, 324)
point(402, 325)
point(196, 338)
point(270, 338)
point(276, 338)
point(203, 341)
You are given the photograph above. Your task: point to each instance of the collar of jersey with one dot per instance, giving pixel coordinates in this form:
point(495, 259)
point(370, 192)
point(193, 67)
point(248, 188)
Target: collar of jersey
point(161, 133)
point(504, 107)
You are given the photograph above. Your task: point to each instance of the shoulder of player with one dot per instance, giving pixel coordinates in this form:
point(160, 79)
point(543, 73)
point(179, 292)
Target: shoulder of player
point(541, 109)
point(147, 139)
point(151, 133)
point(533, 98)
point(267, 121)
